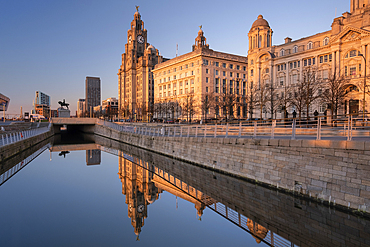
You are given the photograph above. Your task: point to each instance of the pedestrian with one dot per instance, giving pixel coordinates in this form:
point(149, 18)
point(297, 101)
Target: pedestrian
point(316, 113)
point(294, 114)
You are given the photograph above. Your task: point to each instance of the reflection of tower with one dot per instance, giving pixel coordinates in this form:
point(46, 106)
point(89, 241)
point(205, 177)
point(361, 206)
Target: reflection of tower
point(139, 189)
point(258, 232)
point(93, 157)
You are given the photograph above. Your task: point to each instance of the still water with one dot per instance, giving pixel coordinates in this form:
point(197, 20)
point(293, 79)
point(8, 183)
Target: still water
point(99, 192)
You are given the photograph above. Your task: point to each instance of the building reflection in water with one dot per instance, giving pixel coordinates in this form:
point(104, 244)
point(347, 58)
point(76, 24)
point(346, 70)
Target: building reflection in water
point(93, 157)
point(142, 183)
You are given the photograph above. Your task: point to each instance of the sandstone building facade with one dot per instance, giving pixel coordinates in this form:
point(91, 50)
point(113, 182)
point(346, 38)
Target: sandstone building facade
point(342, 50)
point(135, 78)
point(191, 79)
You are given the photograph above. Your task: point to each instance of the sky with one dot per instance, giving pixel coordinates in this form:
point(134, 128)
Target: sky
point(51, 46)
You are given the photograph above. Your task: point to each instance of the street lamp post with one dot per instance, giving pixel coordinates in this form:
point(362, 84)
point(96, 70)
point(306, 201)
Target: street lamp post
point(363, 100)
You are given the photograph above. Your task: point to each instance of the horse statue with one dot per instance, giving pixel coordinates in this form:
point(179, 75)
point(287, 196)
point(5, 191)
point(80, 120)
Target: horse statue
point(63, 103)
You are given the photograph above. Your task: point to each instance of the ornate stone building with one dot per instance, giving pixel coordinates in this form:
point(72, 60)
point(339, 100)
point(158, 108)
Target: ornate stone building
point(186, 81)
point(135, 78)
point(342, 49)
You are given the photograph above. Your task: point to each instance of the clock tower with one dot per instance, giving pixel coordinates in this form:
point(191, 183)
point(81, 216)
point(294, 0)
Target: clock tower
point(135, 79)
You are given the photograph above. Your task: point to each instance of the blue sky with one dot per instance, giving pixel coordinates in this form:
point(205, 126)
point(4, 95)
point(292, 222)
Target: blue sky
point(51, 46)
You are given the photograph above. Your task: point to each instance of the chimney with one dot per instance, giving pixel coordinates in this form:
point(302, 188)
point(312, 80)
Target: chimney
point(288, 40)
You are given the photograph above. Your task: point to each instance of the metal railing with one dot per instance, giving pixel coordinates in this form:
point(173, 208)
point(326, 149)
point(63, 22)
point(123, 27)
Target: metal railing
point(12, 171)
point(344, 128)
point(13, 137)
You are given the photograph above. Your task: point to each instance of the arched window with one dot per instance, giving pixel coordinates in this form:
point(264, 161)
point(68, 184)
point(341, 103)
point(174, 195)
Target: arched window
point(326, 41)
point(295, 49)
point(282, 52)
point(309, 46)
point(259, 41)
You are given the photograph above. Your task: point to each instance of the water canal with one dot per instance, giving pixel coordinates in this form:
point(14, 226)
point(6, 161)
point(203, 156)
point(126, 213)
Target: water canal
point(92, 191)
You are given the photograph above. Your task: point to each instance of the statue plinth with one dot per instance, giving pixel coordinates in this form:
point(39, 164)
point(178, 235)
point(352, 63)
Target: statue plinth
point(64, 112)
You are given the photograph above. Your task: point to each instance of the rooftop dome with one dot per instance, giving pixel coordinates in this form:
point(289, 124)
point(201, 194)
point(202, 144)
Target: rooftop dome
point(260, 22)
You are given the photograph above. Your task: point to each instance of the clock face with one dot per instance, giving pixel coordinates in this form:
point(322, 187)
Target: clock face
point(140, 208)
point(140, 39)
point(129, 39)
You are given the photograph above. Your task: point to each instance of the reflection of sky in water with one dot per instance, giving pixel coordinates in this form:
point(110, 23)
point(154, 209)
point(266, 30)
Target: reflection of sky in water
point(63, 202)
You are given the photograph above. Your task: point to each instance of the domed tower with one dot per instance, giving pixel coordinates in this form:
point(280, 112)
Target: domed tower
point(260, 34)
point(200, 41)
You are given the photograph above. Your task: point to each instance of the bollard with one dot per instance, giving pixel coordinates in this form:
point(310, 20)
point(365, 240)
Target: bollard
point(293, 129)
point(240, 130)
point(318, 136)
point(196, 131)
point(255, 129)
point(180, 131)
point(205, 131)
point(227, 130)
point(188, 131)
point(273, 124)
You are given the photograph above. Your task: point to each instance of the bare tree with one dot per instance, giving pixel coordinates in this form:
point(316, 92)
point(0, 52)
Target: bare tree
point(188, 106)
point(297, 97)
point(334, 91)
point(285, 98)
point(305, 92)
point(272, 100)
point(261, 96)
point(207, 101)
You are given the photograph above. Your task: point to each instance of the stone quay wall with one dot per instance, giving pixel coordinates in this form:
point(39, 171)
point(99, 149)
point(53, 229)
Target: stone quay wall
point(336, 172)
point(10, 150)
point(302, 222)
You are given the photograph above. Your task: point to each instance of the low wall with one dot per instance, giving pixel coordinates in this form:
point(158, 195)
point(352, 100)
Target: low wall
point(337, 172)
point(299, 221)
point(10, 150)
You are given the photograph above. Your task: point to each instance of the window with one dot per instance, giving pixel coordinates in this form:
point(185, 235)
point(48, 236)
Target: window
point(216, 72)
point(180, 83)
point(164, 79)
point(180, 67)
point(174, 77)
point(295, 49)
point(325, 41)
point(205, 61)
point(164, 94)
point(206, 79)
point(251, 72)
point(231, 66)
point(169, 86)
point(174, 85)
point(237, 75)
point(164, 87)
point(216, 64)
point(345, 70)
point(237, 67)
point(174, 70)
point(192, 81)
point(282, 51)
point(192, 64)
point(186, 90)
point(160, 88)
point(267, 70)
point(174, 92)
point(186, 66)
point(325, 74)
point(243, 76)
point(180, 91)
point(206, 71)
point(244, 68)
point(206, 89)
point(352, 53)
point(192, 90)
point(192, 72)
point(169, 78)
point(186, 74)
point(295, 64)
point(352, 70)
point(294, 79)
point(281, 80)
point(224, 65)
point(223, 73)
point(252, 62)
point(186, 82)
point(231, 74)
point(309, 46)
